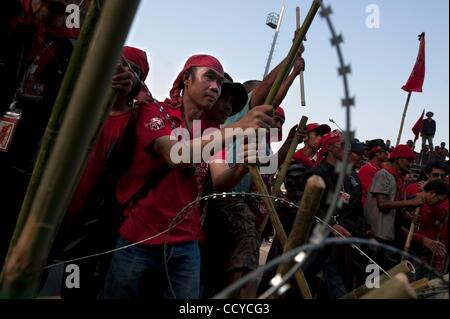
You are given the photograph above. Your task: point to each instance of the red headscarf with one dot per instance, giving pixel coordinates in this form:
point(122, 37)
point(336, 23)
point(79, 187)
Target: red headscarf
point(280, 113)
point(402, 151)
point(328, 139)
point(201, 60)
point(139, 58)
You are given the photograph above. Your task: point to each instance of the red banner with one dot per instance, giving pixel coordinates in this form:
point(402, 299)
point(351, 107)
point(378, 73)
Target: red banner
point(417, 77)
point(417, 128)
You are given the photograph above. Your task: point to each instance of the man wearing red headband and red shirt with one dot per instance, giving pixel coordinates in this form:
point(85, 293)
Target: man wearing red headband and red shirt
point(165, 262)
point(378, 153)
point(386, 195)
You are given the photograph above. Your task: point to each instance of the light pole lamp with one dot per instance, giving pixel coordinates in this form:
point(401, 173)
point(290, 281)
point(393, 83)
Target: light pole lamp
point(273, 21)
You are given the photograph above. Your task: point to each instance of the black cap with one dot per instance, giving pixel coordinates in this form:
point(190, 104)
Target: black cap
point(237, 91)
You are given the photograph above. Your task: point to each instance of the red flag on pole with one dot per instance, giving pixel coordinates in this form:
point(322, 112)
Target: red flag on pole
point(417, 77)
point(417, 128)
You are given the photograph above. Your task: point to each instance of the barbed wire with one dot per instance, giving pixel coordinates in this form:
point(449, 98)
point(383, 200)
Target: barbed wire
point(311, 247)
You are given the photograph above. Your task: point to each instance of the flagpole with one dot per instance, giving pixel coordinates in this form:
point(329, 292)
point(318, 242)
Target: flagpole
point(403, 118)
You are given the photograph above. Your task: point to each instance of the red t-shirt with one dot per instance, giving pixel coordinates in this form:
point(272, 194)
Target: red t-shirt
point(366, 174)
point(155, 212)
point(109, 137)
point(430, 217)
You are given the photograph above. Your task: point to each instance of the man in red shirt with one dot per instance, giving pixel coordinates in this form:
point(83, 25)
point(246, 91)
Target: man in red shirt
point(433, 226)
point(378, 154)
point(314, 133)
point(164, 260)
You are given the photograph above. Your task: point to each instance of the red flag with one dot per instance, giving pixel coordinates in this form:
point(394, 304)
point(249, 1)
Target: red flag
point(417, 77)
point(417, 128)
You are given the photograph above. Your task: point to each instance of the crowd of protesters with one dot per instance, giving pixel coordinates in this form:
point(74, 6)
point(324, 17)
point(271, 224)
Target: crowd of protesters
point(132, 194)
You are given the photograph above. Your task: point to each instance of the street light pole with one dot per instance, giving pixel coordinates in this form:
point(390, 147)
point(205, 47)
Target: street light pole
point(274, 42)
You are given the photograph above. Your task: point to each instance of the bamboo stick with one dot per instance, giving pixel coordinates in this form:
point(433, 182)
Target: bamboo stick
point(402, 123)
point(59, 109)
point(309, 205)
point(28, 256)
point(411, 231)
point(254, 171)
point(301, 76)
point(288, 160)
point(397, 287)
point(403, 267)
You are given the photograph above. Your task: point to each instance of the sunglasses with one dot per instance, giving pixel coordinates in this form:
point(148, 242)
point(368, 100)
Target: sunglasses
point(436, 175)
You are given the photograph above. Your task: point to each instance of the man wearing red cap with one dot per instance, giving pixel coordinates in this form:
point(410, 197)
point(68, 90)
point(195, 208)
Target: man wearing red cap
point(386, 195)
point(378, 152)
point(166, 236)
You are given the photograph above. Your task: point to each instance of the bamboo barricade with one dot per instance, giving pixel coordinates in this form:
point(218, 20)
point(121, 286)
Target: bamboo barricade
point(287, 161)
point(315, 186)
point(22, 269)
point(301, 75)
point(405, 267)
point(254, 171)
point(411, 231)
point(397, 287)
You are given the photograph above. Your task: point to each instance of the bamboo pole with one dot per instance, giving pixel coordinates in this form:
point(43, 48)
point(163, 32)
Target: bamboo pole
point(59, 109)
point(402, 123)
point(23, 266)
point(411, 231)
point(397, 287)
point(254, 171)
point(301, 76)
point(309, 205)
point(404, 267)
point(287, 161)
